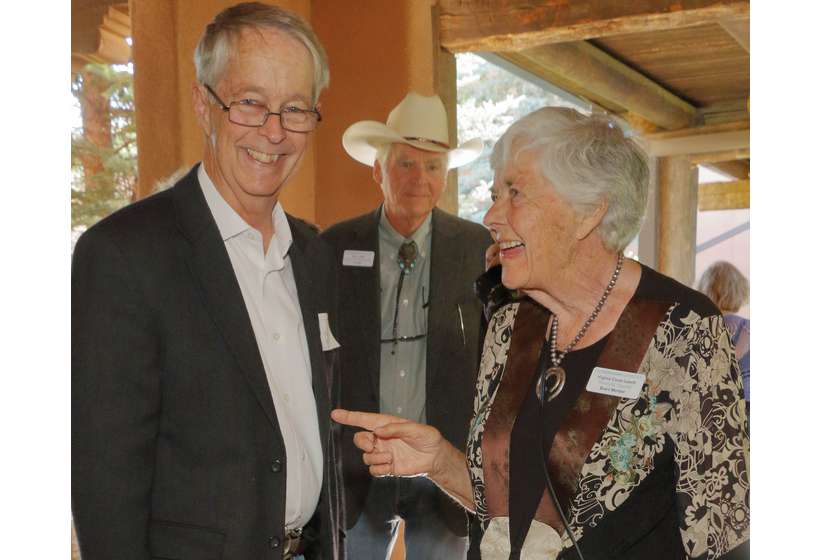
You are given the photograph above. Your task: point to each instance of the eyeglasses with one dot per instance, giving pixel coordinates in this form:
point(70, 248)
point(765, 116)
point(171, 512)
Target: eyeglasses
point(248, 113)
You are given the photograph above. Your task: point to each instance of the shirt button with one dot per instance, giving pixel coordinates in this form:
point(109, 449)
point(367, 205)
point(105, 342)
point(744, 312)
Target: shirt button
point(287, 398)
point(274, 542)
point(276, 465)
point(405, 302)
point(276, 336)
point(398, 409)
point(402, 373)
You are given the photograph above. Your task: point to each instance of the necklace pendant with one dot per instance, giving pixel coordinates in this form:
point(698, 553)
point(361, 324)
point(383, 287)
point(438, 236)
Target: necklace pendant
point(551, 383)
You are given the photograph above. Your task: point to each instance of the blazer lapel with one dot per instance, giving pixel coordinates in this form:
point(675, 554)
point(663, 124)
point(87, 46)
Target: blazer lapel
point(212, 270)
point(361, 299)
point(446, 258)
point(302, 255)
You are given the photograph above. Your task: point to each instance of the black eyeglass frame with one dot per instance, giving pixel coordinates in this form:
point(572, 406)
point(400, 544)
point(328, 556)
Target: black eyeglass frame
point(227, 109)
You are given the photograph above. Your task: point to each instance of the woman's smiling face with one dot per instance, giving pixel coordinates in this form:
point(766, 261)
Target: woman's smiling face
point(535, 228)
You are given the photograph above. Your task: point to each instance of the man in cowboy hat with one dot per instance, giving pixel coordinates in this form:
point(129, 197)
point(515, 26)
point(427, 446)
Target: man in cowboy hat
point(409, 322)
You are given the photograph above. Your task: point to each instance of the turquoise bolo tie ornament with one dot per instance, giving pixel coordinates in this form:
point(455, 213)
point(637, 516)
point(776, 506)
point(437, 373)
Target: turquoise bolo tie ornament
point(407, 256)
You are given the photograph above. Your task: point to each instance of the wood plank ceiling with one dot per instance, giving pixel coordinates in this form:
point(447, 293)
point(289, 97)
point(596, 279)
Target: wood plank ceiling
point(703, 64)
point(676, 70)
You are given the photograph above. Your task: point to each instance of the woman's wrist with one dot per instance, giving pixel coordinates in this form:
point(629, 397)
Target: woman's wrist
point(450, 473)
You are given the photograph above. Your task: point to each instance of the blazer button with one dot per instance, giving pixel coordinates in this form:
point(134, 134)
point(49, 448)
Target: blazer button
point(274, 542)
point(276, 466)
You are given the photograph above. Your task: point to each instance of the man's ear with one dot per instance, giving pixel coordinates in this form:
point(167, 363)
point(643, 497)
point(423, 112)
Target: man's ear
point(591, 221)
point(201, 105)
point(377, 172)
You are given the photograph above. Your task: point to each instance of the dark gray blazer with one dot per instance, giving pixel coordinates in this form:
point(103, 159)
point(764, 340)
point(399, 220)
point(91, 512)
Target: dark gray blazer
point(176, 448)
point(458, 248)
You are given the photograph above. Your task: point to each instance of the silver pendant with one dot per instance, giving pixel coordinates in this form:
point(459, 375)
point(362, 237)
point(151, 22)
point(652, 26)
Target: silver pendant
point(553, 381)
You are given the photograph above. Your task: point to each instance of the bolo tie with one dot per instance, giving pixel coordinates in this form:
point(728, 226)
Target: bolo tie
point(407, 261)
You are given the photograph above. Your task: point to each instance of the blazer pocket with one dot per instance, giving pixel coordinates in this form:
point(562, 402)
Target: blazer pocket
point(181, 541)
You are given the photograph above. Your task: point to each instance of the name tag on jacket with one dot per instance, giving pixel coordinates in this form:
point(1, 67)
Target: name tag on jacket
point(358, 258)
point(616, 383)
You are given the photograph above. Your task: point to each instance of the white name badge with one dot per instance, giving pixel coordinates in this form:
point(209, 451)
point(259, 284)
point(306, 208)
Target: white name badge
point(329, 342)
point(616, 383)
point(358, 258)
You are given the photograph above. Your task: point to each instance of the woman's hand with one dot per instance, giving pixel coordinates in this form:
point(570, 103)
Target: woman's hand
point(393, 445)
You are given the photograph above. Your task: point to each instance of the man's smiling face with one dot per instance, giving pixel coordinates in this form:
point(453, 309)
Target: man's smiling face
point(270, 68)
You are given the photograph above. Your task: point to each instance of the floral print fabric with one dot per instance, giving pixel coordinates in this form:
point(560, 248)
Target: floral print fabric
point(690, 408)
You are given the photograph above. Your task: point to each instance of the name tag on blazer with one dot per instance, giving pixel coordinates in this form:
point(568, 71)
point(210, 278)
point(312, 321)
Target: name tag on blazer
point(616, 383)
point(329, 342)
point(358, 258)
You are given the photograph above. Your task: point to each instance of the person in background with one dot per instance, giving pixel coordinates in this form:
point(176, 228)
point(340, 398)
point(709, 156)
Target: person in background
point(409, 322)
point(729, 290)
point(203, 357)
point(608, 418)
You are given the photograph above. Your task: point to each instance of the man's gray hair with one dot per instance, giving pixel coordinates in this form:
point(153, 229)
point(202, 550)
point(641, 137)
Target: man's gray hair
point(725, 285)
point(588, 160)
point(383, 153)
point(214, 50)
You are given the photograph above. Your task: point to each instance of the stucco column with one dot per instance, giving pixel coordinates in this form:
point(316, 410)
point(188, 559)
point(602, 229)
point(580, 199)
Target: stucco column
point(156, 93)
point(677, 200)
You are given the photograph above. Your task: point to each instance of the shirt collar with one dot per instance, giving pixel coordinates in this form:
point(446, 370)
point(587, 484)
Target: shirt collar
point(395, 238)
point(282, 238)
point(231, 224)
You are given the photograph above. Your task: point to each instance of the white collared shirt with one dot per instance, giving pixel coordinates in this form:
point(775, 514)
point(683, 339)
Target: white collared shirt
point(269, 290)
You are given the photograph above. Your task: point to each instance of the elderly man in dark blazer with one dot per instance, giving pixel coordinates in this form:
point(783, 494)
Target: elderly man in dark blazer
point(409, 322)
point(202, 330)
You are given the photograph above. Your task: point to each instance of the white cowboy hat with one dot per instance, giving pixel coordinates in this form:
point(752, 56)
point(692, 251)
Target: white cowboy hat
point(419, 121)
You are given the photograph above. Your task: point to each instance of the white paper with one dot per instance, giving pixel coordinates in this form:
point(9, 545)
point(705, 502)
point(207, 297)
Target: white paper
point(616, 383)
point(358, 258)
point(329, 342)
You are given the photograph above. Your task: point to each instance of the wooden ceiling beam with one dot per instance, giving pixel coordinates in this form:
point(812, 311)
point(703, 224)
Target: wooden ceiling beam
point(740, 125)
point(738, 169)
point(699, 140)
point(731, 195)
point(587, 71)
point(86, 18)
point(101, 36)
point(513, 25)
point(724, 156)
point(738, 29)
point(731, 110)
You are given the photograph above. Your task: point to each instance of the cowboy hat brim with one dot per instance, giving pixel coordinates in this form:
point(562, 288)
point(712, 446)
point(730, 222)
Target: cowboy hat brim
point(362, 139)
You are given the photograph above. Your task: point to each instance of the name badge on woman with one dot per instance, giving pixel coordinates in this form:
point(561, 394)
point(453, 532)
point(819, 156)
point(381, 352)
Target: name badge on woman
point(616, 383)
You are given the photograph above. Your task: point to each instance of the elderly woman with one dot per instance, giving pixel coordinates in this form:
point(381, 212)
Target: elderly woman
point(608, 418)
point(729, 290)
